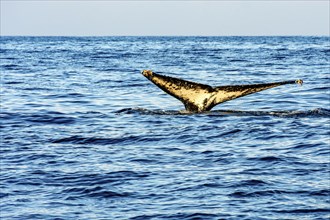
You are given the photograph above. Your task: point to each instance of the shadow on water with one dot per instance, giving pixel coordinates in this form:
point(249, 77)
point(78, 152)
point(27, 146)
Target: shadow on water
point(318, 112)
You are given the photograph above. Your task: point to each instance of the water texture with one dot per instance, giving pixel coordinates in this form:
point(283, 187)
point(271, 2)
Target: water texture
point(85, 136)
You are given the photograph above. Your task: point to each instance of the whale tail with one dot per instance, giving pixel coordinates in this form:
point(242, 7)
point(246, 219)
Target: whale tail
point(199, 97)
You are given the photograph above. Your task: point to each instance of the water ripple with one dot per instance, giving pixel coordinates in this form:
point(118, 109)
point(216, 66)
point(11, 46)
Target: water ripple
point(85, 136)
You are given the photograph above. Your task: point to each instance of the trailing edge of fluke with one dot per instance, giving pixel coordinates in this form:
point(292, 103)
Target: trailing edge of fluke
point(198, 97)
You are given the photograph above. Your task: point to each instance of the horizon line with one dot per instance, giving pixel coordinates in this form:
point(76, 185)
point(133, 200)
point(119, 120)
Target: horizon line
point(279, 35)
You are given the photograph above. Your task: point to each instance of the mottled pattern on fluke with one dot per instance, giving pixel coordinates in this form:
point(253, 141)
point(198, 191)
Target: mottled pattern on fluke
point(198, 97)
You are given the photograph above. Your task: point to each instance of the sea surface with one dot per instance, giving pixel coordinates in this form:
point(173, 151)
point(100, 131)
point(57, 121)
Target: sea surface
point(85, 136)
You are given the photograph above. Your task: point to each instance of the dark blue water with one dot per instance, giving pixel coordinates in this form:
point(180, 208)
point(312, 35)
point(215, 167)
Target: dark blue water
point(85, 136)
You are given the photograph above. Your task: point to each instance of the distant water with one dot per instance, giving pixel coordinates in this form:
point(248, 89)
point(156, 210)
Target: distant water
point(85, 136)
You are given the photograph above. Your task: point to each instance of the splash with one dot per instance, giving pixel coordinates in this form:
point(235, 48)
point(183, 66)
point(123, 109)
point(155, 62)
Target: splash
point(318, 112)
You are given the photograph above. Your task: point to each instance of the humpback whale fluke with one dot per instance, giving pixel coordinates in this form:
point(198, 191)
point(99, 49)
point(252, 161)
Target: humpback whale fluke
point(198, 97)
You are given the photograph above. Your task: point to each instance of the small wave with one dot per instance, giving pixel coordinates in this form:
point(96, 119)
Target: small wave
point(2, 195)
point(47, 117)
point(252, 182)
point(102, 141)
point(228, 133)
point(318, 112)
point(237, 60)
point(104, 57)
point(191, 216)
point(240, 194)
point(10, 66)
point(13, 82)
point(304, 211)
point(81, 179)
point(98, 191)
point(324, 192)
point(274, 192)
point(92, 140)
point(51, 119)
point(268, 159)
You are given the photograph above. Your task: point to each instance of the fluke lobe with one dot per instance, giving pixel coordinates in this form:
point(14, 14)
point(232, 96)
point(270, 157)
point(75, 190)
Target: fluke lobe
point(197, 97)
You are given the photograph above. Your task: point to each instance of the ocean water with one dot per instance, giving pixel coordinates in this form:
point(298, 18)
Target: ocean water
point(85, 136)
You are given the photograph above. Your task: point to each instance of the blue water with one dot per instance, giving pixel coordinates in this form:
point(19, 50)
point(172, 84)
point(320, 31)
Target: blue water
point(85, 136)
